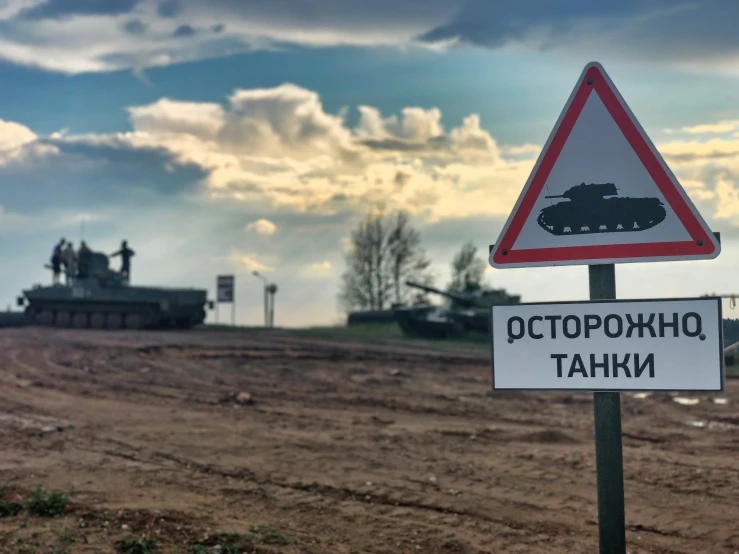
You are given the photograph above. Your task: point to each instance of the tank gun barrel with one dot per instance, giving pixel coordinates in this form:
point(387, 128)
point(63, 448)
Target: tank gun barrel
point(464, 300)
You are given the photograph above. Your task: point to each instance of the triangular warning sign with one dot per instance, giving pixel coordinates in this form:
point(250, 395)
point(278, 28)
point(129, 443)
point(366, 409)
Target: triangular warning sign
point(600, 193)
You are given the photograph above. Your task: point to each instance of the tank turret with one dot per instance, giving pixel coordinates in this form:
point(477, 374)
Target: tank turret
point(466, 301)
point(586, 192)
point(98, 270)
point(586, 210)
point(469, 313)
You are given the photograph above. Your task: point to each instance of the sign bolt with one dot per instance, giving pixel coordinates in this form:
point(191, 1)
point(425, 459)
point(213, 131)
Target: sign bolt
point(702, 336)
point(505, 252)
point(700, 243)
point(510, 340)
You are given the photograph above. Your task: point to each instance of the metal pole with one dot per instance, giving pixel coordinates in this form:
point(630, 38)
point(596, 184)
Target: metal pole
point(266, 306)
point(272, 311)
point(608, 448)
point(217, 304)
point(233, 312)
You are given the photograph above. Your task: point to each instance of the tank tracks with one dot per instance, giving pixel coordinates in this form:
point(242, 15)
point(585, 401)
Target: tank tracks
point(105, 319)
point(593, 226)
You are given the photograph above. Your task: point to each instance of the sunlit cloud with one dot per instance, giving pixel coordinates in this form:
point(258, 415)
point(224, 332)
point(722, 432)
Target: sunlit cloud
point(14, 134)
point(522, 150)
point(716, 128)
point(279, 150)
point(246, 262)
point(262, 227)
point(318, 269)
point(728, 198)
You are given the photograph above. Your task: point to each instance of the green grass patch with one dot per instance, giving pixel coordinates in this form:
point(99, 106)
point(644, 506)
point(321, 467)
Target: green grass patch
point(235, 543)
point(9, 509)
point(391, 332)
point(53, 504)
point(227, 327)
point(136, 546)
point(369, 332)
point(270, 536)
point(225, 543)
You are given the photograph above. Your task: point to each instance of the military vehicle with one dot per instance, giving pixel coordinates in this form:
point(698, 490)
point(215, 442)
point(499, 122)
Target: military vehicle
point(587, 208)
point(103, 299)
point(468, 313)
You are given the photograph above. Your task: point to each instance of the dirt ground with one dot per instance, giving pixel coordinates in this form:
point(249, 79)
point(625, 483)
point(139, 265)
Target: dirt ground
point(346, 447)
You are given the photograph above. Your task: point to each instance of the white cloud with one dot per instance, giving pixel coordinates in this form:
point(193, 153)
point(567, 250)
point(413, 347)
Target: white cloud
point(14, 134)
point(172, 117)
point(142, 38)
point(262, 227)
point(75, 37)
point(318, 269)
point(284, 120)
point(247, 262)
point(717, 128)
point(522, 150)
point(728, 198)
point(279, 149)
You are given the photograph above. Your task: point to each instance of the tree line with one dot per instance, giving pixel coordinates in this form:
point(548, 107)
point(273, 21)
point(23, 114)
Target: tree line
point(385, 251)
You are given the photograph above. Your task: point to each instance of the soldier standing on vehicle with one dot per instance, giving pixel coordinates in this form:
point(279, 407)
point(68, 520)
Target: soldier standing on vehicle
point(83, 261)
point(56, 261)
point(69, 259)
point(125, 253)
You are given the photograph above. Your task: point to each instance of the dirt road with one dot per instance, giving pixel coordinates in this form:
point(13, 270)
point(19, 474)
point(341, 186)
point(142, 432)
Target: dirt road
point(348, 447)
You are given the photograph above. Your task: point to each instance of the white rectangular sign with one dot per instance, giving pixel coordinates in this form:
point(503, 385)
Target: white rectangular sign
point(609, 345)
point(225, 287)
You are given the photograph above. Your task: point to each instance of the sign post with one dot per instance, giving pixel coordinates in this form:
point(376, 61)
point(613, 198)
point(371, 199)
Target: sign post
point(609, 467)
point(601, 194)
point(225, 294)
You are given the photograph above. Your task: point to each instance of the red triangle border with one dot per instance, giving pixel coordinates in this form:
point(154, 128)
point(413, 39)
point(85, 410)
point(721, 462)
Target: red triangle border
point(598, 84)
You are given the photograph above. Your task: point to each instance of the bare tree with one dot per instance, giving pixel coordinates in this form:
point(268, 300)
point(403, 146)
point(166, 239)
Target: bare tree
point(408, 260)
point(385, 251)
point(467, 269)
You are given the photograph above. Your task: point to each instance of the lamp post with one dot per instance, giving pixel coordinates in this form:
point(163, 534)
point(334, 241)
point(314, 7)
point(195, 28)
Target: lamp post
point(272, 289)
point(266, 286)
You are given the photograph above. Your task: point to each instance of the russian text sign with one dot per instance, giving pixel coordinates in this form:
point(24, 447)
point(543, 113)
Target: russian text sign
point(610, 345)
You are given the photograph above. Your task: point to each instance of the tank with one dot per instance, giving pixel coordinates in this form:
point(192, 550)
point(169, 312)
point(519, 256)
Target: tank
point(587, 210)
point(468, 314)
point(104, 300)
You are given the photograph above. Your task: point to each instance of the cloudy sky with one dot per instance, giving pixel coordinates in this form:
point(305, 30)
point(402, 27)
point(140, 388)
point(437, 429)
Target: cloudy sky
point(225, 136)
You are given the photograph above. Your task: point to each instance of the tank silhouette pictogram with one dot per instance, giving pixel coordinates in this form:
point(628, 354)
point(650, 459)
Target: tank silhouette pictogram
point(586, 210)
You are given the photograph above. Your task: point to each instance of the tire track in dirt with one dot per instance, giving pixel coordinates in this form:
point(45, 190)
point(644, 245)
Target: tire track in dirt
point(399, 499)
point(511, 472)
point(336, 493)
